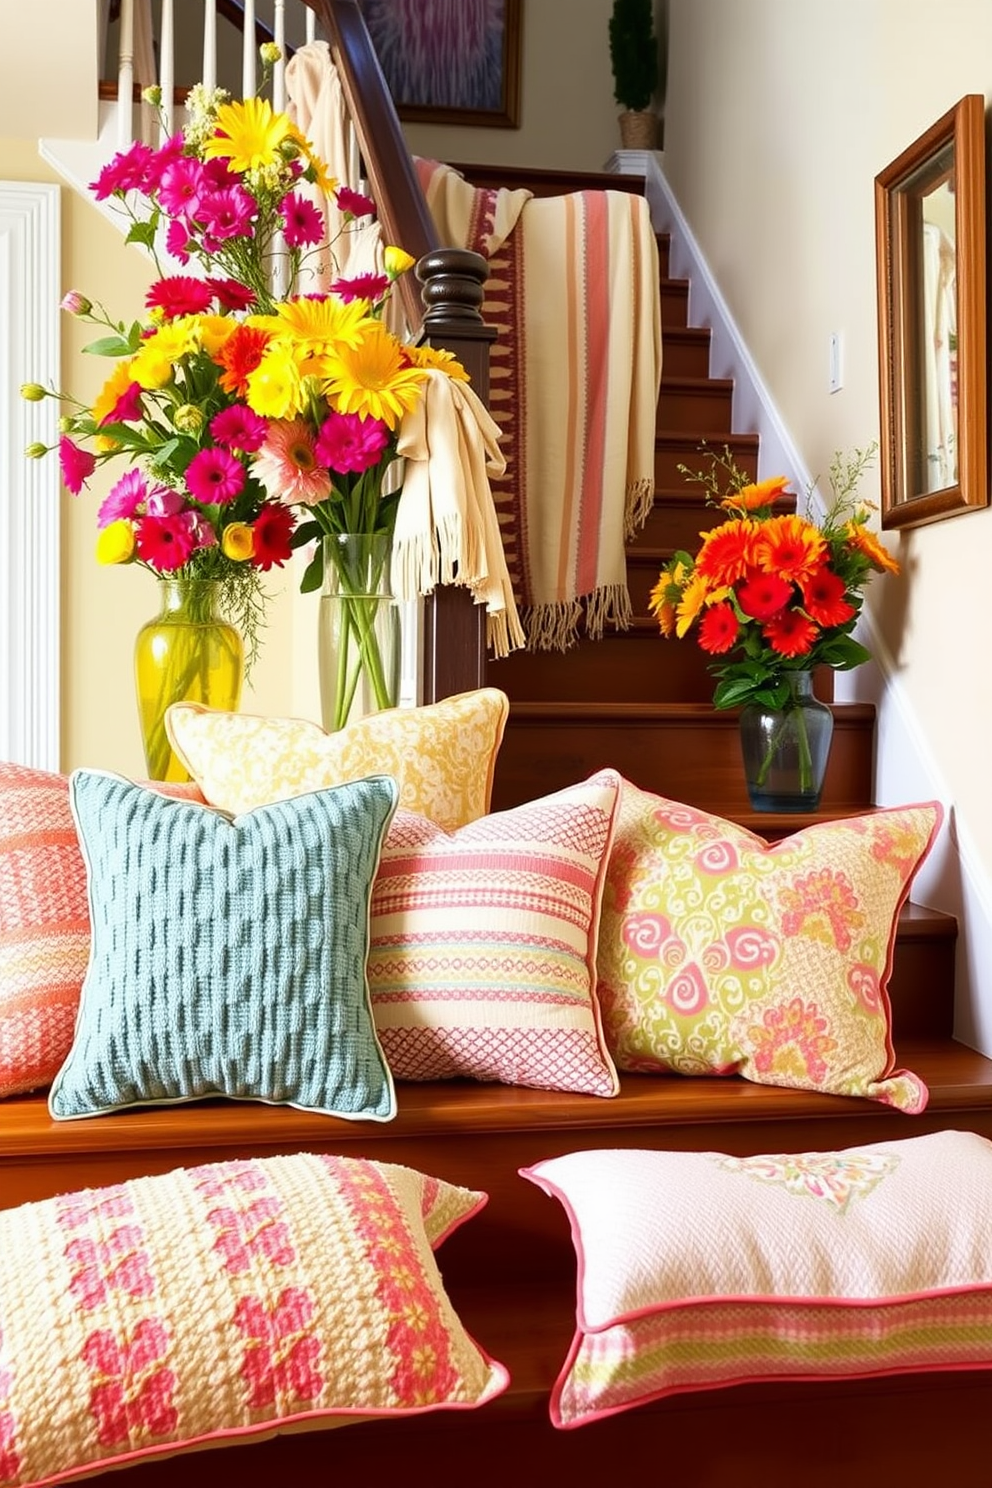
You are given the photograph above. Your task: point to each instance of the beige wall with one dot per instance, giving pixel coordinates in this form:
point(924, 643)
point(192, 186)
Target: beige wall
point(779, 115)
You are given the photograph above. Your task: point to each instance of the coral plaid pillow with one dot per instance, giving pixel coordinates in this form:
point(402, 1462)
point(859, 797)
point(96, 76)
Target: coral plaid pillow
point(719, 953)
point(44, 923)
point(442, 755)
point(222, 1303)
point(483, 944)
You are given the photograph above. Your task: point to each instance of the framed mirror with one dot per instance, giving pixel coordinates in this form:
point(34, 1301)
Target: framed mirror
point(930, 253)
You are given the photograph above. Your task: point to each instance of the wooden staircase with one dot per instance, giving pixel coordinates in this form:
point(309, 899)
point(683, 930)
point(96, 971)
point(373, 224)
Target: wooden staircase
point(642, 704)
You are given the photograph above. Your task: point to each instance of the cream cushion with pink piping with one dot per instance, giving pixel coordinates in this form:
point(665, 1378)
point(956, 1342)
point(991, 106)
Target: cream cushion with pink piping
point(719, 953)
point(441, 755)
point(697, 1269)
point(224, 1303)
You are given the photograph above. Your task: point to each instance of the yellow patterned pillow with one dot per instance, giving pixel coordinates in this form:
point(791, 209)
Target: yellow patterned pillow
point(720, 954)
point(219, 1303)
point(442, 755)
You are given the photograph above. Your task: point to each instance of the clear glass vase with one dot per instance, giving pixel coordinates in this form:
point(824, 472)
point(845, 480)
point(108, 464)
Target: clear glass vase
point(358, 641)
point(187, 653)
point(786, 749)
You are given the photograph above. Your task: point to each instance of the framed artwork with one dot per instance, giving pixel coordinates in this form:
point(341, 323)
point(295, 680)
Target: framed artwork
point(449, 61)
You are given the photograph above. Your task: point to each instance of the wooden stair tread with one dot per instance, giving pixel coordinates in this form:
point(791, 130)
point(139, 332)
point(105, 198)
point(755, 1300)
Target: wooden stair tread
point(959, 1079)
point(626, 712)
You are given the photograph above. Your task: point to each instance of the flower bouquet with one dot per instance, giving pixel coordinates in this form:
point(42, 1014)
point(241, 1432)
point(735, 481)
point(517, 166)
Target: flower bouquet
point(234, 405)
point(770, 594)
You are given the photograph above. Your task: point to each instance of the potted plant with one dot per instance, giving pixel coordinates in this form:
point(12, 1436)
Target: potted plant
point(634, 59)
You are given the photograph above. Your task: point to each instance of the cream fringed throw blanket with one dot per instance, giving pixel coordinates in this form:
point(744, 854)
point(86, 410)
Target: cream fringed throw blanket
point(576, 370)
point(447, 530)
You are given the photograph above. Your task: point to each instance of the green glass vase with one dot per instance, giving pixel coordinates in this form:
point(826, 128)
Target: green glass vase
point(785, 750)
point(358, 640)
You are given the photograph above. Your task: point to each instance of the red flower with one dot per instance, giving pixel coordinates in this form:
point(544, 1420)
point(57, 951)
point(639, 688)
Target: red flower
point(763, 595)
point(370, 287)
point(232, 294)
point(272, 529)
point(823, 598)
point(164, 543)
point(790, 633)
point(304, 226)
point(718, 629)
point(180, 294)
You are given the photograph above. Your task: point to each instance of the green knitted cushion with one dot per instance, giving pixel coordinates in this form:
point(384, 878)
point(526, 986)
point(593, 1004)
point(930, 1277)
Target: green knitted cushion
point(228, 955)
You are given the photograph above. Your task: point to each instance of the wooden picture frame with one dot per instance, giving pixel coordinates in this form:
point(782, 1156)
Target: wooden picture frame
point(930, 255)
point(439, 73)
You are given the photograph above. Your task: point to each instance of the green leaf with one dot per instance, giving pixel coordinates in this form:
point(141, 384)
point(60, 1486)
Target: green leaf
point(112, 346)
point(843, 653)
point(313, 575)
point(142, 232)
point(305, 533)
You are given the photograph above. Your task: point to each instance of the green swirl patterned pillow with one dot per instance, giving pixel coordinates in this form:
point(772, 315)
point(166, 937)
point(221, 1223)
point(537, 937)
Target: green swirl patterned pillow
point(228, 955)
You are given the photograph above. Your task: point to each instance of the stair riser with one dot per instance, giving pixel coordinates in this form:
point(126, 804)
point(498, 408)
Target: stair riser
point(692, 758)
point(686, 352)
point(624, 668)
point(674, 449)
point(706, 407)
point(674, 303)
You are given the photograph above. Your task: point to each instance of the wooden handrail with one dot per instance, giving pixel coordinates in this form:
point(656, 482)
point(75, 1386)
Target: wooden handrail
point(451, 280)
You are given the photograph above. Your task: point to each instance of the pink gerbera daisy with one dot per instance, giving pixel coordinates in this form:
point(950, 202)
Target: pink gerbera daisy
point(164, 543)
point(124, 499)
point(126, 172)
point(353, 202)
point(179, 294)
point(239, 428)
point(369, 287)
point(127, 409)
point(177, 240)
point(181, 187)
point(350, 443)
point(77, 464)
point(215, 476)
point(287, 464)
point(227, 213)
point(303, 226)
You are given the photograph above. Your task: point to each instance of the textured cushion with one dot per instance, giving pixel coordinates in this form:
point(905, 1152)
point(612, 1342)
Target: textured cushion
point(220, 1303)
point(698, 1269)
point(44, 923)
point(483, 944)
point(228, 957)
point(441, 755)
point(719, 953)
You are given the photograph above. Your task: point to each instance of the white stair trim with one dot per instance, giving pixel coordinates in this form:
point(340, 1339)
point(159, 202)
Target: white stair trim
point(30, 660)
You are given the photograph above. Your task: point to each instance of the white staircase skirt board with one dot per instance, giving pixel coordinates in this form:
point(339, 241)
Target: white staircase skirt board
point(29, 512)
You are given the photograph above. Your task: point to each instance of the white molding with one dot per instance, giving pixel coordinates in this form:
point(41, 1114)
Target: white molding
point(30, 650)
point(953, 878)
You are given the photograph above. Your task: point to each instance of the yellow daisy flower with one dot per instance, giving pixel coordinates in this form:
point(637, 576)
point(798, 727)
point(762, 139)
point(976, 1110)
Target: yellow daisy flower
point(115, 542)
point(375, 378)
point(248, 134)
point(274, 387)
point(152, 366)
point(436, 356)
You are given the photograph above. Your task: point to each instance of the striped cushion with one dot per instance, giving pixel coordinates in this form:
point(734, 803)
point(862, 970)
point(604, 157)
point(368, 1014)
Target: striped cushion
point(225, 1302)
point(44, 923)
point(483, 944)
point(697, 1269)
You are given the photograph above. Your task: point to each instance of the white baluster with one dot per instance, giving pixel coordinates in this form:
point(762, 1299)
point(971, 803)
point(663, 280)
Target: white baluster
point(210, 45)
point(125, 75)
point(279, 74)
point(311, 24)
point(249, 53)
point(167, 67)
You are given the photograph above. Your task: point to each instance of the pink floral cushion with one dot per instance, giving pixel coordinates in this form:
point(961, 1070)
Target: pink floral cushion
point(483, 944)
point(220, 1303)
point(719, 953)
point(44, 923)
point(697, 1269)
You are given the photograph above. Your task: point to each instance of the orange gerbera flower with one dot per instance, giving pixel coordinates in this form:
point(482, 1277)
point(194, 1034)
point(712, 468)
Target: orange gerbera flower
point(790, 547)
point(239, 356)
point(754, 497)
point(727, 552)
point(864, 539)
